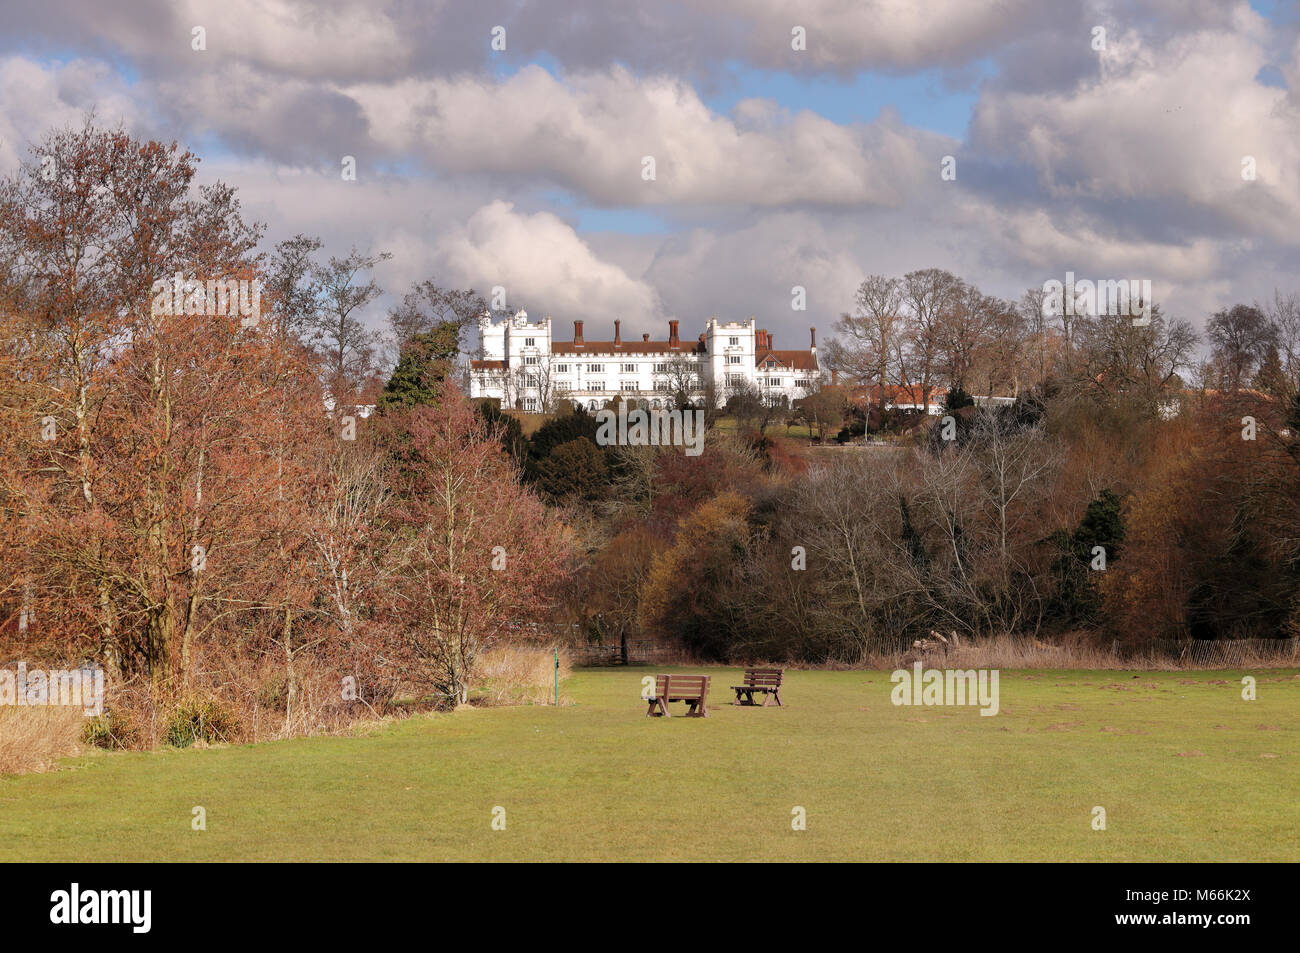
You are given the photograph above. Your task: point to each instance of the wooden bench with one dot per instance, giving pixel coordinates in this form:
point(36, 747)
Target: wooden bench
point(765, 680)
point(692, 689)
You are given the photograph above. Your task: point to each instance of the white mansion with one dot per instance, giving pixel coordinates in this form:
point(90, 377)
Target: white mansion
point(525, 368)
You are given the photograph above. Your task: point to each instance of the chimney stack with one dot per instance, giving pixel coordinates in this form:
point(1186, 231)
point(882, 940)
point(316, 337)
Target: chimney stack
point(577, 332)
point(814, 340)
point(618, 337)
point(672, 334)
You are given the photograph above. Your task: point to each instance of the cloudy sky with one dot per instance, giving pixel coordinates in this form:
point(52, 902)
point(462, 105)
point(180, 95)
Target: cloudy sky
point(1107, 138)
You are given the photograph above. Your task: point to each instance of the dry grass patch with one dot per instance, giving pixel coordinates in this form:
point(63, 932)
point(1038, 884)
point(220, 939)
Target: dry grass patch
point(32, 739)
point(511, 675)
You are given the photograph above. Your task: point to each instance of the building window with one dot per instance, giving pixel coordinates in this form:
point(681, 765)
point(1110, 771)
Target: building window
point(805, 384)
point(530, 403)
point(530, 360)
point(532, 380)
point(530, 342)
point(733, 341)
point(774, 382)
point(735, 379)
point(628, 387)
point(661, 368)
point(595, 368)
point(561, 368)
point(595, 385)
point(733, 358)
point(629, 368)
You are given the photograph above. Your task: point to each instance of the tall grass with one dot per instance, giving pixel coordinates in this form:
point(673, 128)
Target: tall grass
point(32, 739)
point(520, 675)
point(1025, 652)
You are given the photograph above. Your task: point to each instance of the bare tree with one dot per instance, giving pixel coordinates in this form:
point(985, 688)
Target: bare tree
point(1240, 338)
point(962, 332)
point(347, 345)
point(1118, 360)
point(428, 304)
point(1284, 315)
point(292, 283)
point(1008, 351)
point(683, 379)
point(1034, 323)
point(927, 294)
point(538, 382)
point(982, 500)
point(871, 332)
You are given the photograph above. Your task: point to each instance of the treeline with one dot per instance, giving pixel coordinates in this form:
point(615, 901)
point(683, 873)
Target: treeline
point(1130, 492)
point(930, 331)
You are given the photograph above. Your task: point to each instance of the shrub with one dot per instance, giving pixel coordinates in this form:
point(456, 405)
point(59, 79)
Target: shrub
point(200, 720)
point(111, 730)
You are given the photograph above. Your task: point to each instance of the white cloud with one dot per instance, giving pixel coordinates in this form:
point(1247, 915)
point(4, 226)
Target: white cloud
point(880, 34)
point(544, 265)
point(1170, 121)
point(37, 98)
point(590, 133)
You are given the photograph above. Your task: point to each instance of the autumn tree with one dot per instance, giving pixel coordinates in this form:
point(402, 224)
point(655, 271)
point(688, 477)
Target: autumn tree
point(162, 426)
point(476, 554)
point(691, 591)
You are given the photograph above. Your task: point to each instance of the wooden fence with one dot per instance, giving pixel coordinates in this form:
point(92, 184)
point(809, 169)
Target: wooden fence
point(1213, 653)
point(639, 652)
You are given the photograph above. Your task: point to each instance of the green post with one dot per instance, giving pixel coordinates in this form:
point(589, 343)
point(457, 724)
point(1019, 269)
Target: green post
point(557, 678)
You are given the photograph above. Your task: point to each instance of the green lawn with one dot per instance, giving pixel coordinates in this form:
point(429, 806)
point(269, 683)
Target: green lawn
point(1185, 769)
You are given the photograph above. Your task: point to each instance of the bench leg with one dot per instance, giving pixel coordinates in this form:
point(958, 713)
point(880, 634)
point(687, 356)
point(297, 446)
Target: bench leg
point(776, 694)
point(657, 709)
point(696, 709)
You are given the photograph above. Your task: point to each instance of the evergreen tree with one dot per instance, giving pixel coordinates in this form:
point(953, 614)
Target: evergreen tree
point(422, 370)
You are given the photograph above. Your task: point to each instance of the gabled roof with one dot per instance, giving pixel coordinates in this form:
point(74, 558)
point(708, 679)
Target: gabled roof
point(793, 360)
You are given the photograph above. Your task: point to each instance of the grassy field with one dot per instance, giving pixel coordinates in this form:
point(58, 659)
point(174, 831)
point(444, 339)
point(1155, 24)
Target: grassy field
point(1185, 769)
